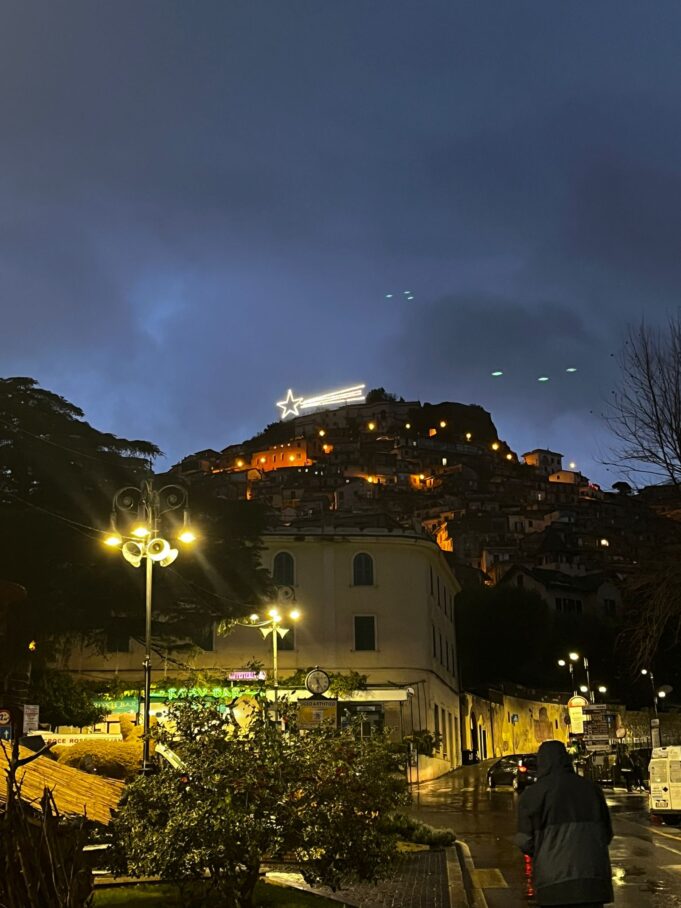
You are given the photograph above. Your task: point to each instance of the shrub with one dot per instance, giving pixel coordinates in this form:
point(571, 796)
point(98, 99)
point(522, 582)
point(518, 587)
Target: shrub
point(115, 759)
point(426, 742)
point(249, 792)
point(411, 830)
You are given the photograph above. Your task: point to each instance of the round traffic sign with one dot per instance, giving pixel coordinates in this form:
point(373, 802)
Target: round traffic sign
point(5, 717)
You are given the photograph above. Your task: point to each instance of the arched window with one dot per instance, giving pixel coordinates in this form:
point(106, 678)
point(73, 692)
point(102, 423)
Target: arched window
point(283, 569)
point(363, 570)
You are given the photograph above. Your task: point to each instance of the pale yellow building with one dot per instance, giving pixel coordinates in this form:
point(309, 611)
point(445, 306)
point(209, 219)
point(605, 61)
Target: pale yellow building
point(375, 601)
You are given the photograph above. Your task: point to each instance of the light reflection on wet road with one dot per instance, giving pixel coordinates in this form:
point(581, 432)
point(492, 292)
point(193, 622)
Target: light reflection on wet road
point(646, 860)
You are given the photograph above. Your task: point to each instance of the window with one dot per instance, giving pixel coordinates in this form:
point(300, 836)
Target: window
point(438, 593)
point(434, 642)
point(431, 581)
point(365, 632)
point(288, 641)
point(283, 569)
point(436, 719)
point(445, 748)
point(610, 608)
point(569, 606)
point(363, 570)
point(442, 661)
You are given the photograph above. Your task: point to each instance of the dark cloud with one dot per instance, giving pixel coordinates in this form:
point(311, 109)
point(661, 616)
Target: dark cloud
point(202, 205)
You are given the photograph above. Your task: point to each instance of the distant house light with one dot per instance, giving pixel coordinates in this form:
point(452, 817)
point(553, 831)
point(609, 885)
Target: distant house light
point(371, 426)
point(509, 456)
point(239, 463)
point(443, 424)
point(407, 425)
point(495, 445)
point(605, 543)
point(432, 432)
point(322, 433)
point(468, 436)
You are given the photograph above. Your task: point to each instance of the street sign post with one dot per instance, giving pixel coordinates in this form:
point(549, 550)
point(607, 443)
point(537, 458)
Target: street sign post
point(597, 727)
point(31, 718)
point(313, 712)
point(576, 706)
point(6, 729)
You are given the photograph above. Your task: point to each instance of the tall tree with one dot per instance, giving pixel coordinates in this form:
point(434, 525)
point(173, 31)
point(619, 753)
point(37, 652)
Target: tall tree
point(645, 412)
point(645, 418)
point(58, 475)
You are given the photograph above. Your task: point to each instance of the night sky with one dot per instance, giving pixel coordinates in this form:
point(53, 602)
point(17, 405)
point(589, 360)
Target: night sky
point(204, 203)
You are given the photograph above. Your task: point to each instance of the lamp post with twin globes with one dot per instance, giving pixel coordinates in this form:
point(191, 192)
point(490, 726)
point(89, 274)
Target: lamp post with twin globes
point(144, 507)
point(272, 624)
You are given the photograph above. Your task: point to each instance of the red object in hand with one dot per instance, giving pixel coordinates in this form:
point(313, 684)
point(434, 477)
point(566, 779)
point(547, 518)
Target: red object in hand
point(529, 886)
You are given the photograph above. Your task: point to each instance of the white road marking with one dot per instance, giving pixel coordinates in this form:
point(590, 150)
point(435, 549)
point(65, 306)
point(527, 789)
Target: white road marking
point(667, 848)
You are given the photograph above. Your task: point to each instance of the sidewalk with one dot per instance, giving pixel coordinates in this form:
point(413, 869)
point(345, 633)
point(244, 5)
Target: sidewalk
point(425, 879)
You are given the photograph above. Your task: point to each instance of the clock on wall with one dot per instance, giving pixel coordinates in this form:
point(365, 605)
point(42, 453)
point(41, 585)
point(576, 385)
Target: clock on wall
point(317, 681)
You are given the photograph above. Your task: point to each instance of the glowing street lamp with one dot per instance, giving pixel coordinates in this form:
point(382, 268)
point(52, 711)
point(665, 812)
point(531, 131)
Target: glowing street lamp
point(272, 625)
point(570, 666)
point(649, 673)
point(145, 544)
point(572, 658)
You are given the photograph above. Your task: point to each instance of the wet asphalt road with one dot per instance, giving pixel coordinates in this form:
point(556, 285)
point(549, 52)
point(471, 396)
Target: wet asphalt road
point(646, 859)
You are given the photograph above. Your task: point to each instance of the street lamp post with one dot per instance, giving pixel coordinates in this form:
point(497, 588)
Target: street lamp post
point(592, 695)
point(272, 625)
point(144, 543)
point(649, 673)
point(572, 658)
point(563, 663)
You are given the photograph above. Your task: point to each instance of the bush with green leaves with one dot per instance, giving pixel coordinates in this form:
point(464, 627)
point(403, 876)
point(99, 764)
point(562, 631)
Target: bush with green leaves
point(411, 830)
point(317, 797)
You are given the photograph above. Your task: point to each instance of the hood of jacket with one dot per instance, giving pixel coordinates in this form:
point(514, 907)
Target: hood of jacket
point(552, 758)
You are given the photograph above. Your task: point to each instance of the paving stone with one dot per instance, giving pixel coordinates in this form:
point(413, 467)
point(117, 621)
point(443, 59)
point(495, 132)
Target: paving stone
point(418, 881)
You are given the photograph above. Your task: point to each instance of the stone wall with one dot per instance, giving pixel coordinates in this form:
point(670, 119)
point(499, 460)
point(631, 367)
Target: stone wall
point(504, 724)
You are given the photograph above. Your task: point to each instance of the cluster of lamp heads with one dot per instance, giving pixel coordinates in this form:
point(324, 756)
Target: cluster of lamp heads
point(274, 616)
point(144, 546)
point(574, 657)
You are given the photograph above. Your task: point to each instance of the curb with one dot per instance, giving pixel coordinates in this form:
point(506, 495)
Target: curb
point(474, 895)
point(458, 898)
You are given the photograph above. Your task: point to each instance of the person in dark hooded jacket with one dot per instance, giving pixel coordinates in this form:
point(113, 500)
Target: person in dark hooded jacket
point(564, 825)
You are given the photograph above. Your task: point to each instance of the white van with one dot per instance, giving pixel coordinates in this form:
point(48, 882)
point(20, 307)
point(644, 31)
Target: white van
point(665, 783)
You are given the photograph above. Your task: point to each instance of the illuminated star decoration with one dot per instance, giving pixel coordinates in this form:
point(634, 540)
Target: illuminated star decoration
point(293, 405)
point(289, 407)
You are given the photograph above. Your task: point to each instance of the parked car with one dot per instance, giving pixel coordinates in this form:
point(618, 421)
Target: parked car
point(517, 770)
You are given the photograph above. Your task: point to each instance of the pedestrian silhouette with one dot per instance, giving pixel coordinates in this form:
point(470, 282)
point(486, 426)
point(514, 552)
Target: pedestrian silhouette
point(564, 825)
